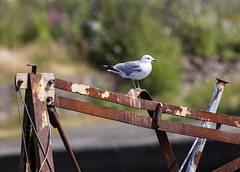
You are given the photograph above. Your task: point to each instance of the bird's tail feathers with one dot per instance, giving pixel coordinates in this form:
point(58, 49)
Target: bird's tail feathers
point(109, 67)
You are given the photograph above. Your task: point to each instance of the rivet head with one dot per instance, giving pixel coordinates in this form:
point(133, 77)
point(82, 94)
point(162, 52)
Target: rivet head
point(49, 99)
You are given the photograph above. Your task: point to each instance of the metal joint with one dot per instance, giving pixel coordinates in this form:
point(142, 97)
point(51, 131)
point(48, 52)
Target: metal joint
point(158, 115)
point(34, 68)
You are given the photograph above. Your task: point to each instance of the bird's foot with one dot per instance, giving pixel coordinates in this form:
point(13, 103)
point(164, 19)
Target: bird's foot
point(138, 88)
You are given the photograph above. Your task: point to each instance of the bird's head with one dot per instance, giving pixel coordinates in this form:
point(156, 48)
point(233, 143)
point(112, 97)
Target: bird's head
point(148, 59)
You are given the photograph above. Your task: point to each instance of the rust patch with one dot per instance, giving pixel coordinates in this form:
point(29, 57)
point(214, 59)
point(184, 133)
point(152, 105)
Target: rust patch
point(219, 90)
point(196, 159)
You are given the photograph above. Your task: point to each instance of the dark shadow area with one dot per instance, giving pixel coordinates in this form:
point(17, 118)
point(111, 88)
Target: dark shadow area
point(144, 158)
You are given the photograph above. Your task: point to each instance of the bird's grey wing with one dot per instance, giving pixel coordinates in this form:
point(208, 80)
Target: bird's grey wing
point(128, 67)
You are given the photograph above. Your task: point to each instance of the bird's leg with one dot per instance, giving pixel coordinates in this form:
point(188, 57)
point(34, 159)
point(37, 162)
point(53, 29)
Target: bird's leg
point(134, 84)
point(138, 85)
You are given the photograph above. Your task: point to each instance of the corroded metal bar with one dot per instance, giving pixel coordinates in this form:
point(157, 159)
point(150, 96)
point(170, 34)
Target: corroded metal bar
point(197, 131)
point(102, 111)
point(42, 124)
point(146, 122)
point(231, 166)
point(213, 105)
point(161, 135)
point(56, 124)
point(132, 101)
point(30, 162)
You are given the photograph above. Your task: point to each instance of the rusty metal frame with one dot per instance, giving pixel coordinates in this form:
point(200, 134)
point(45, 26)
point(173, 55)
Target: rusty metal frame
point(144, 121)
point(132, 101)
point(36, 128)
point(56, 124)
point(199, 143)
point(140, 99)
point(155, 110)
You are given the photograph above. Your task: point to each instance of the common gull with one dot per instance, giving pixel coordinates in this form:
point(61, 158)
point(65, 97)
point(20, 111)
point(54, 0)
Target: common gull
point(135, 70)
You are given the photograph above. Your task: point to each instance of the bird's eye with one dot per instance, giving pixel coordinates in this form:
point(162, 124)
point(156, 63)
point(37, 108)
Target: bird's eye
point(148, 58)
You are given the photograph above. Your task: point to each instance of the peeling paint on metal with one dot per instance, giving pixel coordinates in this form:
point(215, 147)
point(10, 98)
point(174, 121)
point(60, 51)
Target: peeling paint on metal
point(40, 91)
point(118, 99)
point(133, 97)
point(168, 110)
point(45, 121)
point(23, 77)
point(105, 94)
point(184, 111)
point(79, 88)
point(237, 124)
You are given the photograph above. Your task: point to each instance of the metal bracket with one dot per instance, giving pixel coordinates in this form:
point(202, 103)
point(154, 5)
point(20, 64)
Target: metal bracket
point(158, 114)
point(46, 90)
point(34, 68)
point(21, 81)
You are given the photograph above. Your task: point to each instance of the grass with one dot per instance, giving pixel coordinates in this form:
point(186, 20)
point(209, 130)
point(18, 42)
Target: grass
point(50, 58)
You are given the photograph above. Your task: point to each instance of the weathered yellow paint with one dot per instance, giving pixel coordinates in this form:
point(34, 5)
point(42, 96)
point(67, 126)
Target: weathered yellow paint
point(168, 111)
point(105, 95)
point(79, 88)
point(184, 112)
point(45, 121)
point(237, 124)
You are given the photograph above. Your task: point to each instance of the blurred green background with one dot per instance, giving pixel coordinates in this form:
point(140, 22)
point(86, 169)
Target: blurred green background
point(193, 40)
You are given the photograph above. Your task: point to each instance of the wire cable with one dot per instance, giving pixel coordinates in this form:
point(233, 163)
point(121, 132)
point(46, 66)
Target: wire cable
point(35, 131)
point(21, 123)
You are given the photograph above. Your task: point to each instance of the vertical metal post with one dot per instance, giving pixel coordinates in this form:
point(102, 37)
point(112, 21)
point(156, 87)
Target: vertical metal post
point(27, 160)
point(42, 138)
point(162, 136)
point(200, 143)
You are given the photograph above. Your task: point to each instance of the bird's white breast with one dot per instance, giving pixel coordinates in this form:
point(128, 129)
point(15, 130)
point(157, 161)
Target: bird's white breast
point(146, 70)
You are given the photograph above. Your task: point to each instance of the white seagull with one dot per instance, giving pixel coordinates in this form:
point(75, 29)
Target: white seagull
point(135, 70)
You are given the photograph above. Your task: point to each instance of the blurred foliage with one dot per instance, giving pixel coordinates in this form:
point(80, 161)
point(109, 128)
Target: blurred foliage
point(22, 22)
point(207, 28)
point(114, 31)
point(200, 97)
point(195, 26)
point(129, 34)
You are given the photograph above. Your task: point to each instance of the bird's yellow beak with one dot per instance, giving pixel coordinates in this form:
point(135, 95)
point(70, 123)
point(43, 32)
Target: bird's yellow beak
point(155, 60)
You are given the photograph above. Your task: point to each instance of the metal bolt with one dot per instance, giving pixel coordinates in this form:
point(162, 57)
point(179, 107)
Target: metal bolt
point(51, 81)
point(19, 83)
point(34, 68)
point(49, 99)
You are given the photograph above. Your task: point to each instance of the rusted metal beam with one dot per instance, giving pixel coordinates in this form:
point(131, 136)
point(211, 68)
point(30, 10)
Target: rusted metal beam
point(56, 124)
point(213, 106)
point(102, 111)
point(42, 123)
point(230, 167)
point(161, 135)
point(27, 159)
point(146, 122)
point(132, 101)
